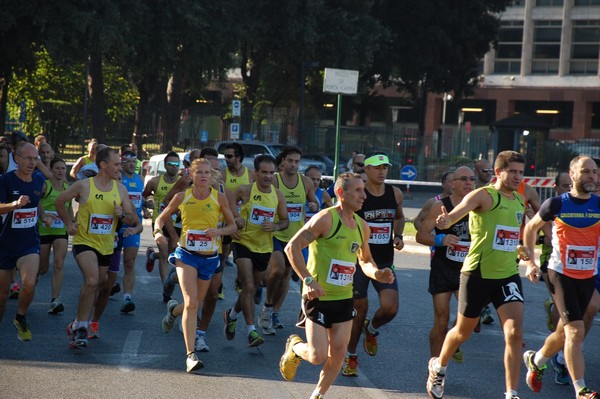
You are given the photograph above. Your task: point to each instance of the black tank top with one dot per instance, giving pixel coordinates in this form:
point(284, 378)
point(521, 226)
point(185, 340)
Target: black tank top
point(380, 213)
point(459, 229)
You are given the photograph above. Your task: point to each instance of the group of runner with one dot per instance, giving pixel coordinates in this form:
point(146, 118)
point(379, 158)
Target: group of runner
point(278, 222)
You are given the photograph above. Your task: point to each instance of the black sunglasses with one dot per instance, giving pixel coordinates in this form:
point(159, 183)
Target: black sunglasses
point(359, 164)
point(229, 156)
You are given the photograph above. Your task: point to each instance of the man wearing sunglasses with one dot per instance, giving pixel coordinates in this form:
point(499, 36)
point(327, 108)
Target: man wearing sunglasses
point(451, 246)
point(382, 210)
point(159, 186)
point(484, 173)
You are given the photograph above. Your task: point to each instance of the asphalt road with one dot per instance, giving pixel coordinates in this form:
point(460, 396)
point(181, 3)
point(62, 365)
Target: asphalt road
point(135, 359)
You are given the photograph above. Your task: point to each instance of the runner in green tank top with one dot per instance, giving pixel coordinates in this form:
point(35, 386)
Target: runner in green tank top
point(489, 272)
point(337, 239)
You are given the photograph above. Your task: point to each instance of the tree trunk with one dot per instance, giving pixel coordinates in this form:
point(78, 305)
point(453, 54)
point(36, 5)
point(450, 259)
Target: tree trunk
point(172, 111)
point(4, 82)
point(97, 100)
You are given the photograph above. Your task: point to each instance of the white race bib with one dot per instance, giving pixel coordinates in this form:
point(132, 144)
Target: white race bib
point(136, 199)
point(197, 240)
point(260, 214)
point(380, 233)
point(294, 212)
point(580, 257)
point(24, 218)
point(459, 252)
point(340, 273)
point(57, 223)
point(101, 224)
point(506, 238)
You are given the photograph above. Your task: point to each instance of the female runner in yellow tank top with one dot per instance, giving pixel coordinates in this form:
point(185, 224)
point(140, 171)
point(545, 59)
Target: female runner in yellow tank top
point(196, 257)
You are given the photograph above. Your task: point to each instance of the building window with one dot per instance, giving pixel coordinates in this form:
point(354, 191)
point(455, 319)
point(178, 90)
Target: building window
point(546, 47)
point(549, 3)
point(587, 3)
point(584, 50)
point(508, 51)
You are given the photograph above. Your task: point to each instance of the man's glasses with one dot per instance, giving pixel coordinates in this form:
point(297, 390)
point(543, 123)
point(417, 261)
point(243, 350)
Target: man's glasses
point(487, 170)
point(359, 164)
point(173, 163)
point(465, 178)
point(229, 156)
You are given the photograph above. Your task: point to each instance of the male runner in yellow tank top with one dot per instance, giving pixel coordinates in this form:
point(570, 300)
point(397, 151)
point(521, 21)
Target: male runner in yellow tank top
point(253, 242)
point(158, 187)
point(297, 190)
point(337, 238)
point(102, 200)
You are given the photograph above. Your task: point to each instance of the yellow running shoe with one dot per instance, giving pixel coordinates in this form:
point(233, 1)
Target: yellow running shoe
point(23, 331)
point(350, 368)
point(289, 360)
point(370, 342)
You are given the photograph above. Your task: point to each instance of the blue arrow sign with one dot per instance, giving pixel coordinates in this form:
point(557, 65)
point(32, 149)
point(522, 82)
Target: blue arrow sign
point(408, 172)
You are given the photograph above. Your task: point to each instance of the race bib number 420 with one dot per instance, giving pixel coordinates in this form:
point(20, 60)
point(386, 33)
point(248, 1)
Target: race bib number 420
point(260, 214)
point(101, 224)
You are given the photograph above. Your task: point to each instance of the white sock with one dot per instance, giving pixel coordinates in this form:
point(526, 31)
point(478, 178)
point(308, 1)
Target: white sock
point(317, 394)
point(126, 297)
point(233, 314)
point(560, 358)
point(371, 329)
point(539, 360)
point(438, 367)
point(578, 385)
point(250, 327)
point(510, 394)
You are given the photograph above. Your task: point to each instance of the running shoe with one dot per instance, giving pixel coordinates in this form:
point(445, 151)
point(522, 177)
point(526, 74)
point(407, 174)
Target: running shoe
point(221, 294)
point(265, 320)
point(93, 327)
point(237, 286)
point(254, 339)
point(561, 376)
point(169, 320)
point(169, 285)
point(200, 345)
point(258, 295)
point(150, 259)
point(14, 291)
point(370, 341)
point(316, 396)
point(56, 307)
point(587, 393)
point(128, 306)
point(289, 362)
point(23, 331)
point(116, 288)
point(230, 324)
point(534, 373)
point(458, 356)
point(486, 316)
point(192, 363)
point(276, 323)
point(435, 381)
point(77, 338)
point(548, 304)
point(350, 368)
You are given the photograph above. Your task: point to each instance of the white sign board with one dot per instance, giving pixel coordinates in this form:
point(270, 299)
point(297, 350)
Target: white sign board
point(234, 131)
point(340, 81)
point(236, 108)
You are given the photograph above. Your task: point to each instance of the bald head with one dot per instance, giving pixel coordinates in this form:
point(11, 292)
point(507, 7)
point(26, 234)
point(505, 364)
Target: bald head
point(464, 181)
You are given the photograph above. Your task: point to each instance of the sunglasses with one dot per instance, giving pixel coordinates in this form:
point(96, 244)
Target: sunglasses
point(173, 163)
point(229, 156)
point(465, 178)
point(359, 164)
point(487, 170)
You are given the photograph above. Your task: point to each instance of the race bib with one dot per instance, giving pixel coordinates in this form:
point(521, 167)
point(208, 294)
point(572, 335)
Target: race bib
point(459, 252)
point(197, 240)
point(295, 212)
point(580, 257)
point(136, 200)
point(57, 223)
point(506, 238)
point(101, 224)
point(380, 233)
point(260, 214)
point(340, 273)
point(24, 218)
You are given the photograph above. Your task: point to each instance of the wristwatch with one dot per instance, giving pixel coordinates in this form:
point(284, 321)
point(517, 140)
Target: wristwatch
point(307, 280)
point(156, 231)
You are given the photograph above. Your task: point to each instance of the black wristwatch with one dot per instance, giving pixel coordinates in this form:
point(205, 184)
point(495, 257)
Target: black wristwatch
point(400, 236)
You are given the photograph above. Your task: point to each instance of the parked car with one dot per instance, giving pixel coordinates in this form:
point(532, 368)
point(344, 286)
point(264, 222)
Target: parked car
point(156, 166)
point(254, 148)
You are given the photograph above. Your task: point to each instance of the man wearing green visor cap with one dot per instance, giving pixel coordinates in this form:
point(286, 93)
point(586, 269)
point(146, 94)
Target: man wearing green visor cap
point(382, 210)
